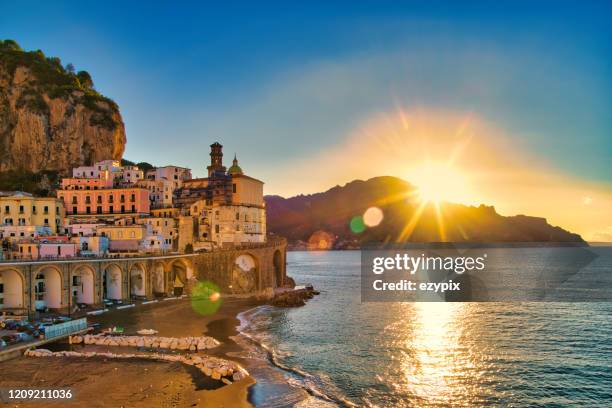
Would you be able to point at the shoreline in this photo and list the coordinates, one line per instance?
(138, 382)
(264, 386)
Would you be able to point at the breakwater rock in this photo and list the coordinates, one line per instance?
(155, 342)
(294, 298)
(214, 367)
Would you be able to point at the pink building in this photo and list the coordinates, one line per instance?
(116, 201)
(49, 247)
(79, 183)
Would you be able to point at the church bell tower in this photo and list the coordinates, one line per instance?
(216, 159)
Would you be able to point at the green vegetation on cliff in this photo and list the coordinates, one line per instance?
(38, 183)
(56, 81)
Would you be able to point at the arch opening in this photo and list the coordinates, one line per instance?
(83, 285)
(111, 283)
(278, 268)
(179, 274)
(244, 274)
(137, 281)
(11, 290)
(48, 289)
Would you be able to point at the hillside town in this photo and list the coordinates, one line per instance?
(108, 209)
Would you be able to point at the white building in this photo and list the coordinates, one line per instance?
(161, 192)
(112, 166)
(109, 169)
(174, 174)
(164, 229)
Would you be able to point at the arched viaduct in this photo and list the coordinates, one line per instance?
(60, 284)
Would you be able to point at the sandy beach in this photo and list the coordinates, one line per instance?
(98, 382)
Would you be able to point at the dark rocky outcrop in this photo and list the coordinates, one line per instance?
(294, 298)
(326, 217)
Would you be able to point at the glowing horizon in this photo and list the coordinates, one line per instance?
(461, 158)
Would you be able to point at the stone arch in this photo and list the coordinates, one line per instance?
(13, 293)
(159, 277)
(181, 272)
(112, 282)
(48, 284)
(138, 280)
(245, 274)
(82, 285)
(277, 262)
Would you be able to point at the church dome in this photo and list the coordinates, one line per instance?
(235, 169)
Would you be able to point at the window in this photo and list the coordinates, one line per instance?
(74, 200)
(57, 210)
(234, 188)
(21, 209)
(122, 209)
(110, 198)
(7, 209)
(110, 209)
(99, 210)
(122, 199)
(133, 198)
(33, 209)
(217, 228)
(88, 210)
(99, 199)
(88, 200)
(59, 250)
(133, 208)
(46, 209)
(74, 210)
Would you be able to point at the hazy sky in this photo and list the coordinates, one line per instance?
(287, 86)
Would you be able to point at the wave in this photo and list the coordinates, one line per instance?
(298, 378)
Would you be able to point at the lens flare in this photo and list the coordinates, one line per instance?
(357, 225)
(205, 298)
(373, 216)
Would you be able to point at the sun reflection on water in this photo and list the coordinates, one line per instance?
(435, 361)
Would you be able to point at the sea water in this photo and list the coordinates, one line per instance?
(348, 353)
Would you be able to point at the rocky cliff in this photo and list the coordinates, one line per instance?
(51, 118)
(327, 216)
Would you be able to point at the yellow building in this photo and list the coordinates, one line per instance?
(23, 209)
(123, 238)
(171, 212)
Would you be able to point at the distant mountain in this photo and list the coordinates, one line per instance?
(328, 216)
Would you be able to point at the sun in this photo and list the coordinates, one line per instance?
(438, 182)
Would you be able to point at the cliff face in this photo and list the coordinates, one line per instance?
(51, 118)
